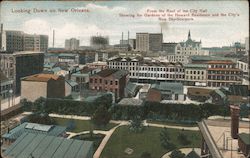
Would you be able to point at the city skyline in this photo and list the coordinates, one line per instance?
(212, 32)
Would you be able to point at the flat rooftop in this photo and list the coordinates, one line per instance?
(214, 131)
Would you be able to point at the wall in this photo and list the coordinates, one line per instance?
(33, 90)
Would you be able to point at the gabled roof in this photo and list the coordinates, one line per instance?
(115, 72)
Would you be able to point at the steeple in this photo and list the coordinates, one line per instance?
(189, 35)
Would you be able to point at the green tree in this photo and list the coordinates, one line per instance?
(101, 116)
(136, 124)
(177, 154)
(145, 155)
(165, 140)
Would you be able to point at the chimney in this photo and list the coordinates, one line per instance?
(235, 111)
(53, 38)
(1, 28)
(122, 38)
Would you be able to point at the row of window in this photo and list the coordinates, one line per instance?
(195, 77)
(195, 72)
(232, 78)
(157, 75)
(224, 72)
(107, 82)
(150, 69)
(221, 66)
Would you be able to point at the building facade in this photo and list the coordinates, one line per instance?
(110, 80)
(223, 73)
(20, 41)
(155, 42)
(196, 74)
(72, 44)
(142, 42)
(42, 85)
(21, 64)
(148, 70)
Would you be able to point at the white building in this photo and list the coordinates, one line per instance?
(147, 69)
(244, 66)
(190, 48)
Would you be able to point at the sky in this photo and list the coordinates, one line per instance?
(104, 19)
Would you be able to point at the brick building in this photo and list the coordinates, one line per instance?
(111, 80)
(42, 85)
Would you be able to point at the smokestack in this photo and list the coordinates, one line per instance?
(235, 111)
(53, 38)
(1, 28)
(128, 37)
(122, 38)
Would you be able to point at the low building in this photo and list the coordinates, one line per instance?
(42, 85)
(223, 73)
(243, 65)
(70, 87)
(42, 145)
(153, 95)
(131, 89)
(110, 80)
(170, 91)
(71, 59)
(50, 130)
(199, 94)
(196, 74)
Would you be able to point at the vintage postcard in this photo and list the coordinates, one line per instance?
(125, 79)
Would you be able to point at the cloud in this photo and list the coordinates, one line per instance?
(36, 26)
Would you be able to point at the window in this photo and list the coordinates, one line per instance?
(95, 80)
(91, 80)
(106, 81)
(111, 82)
(100, 80)
(116, 82)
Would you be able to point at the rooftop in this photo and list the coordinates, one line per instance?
(34, 128)
(245, 137)
(42, 77)
(199, 66)
(175, 88)
(213, 132)
(114, 72)
(130, 102)
(41, 145)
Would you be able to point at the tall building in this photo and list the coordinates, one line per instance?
(21, 64)
(72, 44)
(142, 42)
(155, 42)
(12, 41)
(247, 44)
(99, 42)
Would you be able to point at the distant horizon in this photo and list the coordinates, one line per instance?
(103, 18)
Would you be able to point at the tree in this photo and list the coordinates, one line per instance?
(183, 139)
(101, 116)
(136, 124)
(165, 140)
(177, 154)
(145, 155)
